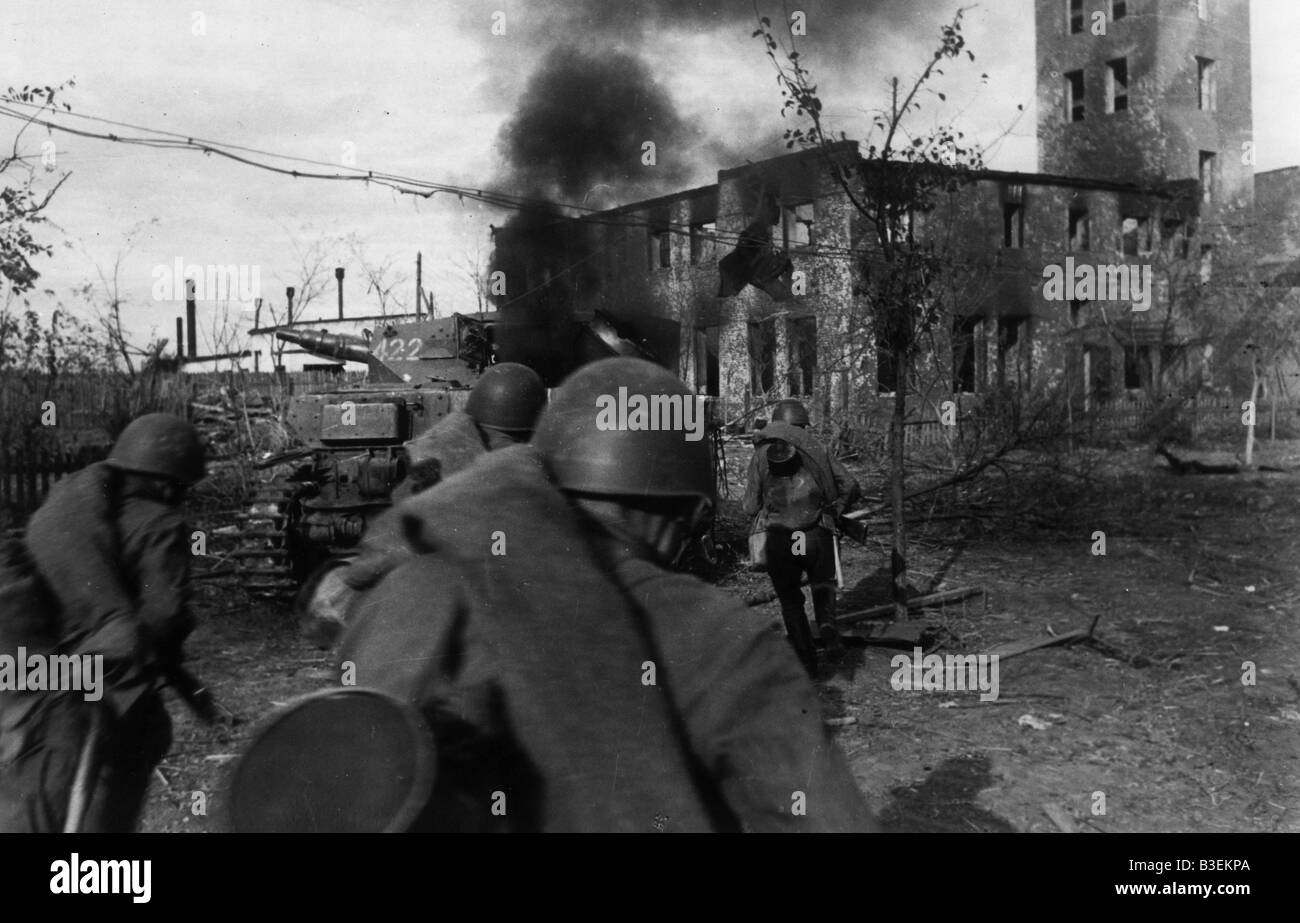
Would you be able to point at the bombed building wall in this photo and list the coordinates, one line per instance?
(785, 331)
(1162, 93)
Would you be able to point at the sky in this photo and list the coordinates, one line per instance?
(447, 91)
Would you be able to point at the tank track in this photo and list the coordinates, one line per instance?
(264, 560)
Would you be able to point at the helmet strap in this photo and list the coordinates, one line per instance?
(660, 535)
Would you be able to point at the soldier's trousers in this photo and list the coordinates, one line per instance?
(41, 742)
(787, 566)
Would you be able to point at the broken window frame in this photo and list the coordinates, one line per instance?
(702, 232)
(762, 356)
(1074, 16)
(1117, 88)
(1076, 90)
(965, 354)
(1140, 234)
(1013, 226)
(785, 233)
(1138, 367)
(1207, 90)
(801, 355)
(659, 248)
(1208, 162)
(1079, 229)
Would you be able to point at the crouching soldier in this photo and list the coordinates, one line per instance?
(112, 550)
(501, 411)
(571, 680)
(800, 490)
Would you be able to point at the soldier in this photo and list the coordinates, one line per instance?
(113, 550)
(800, 490)
(501, 411)
(571, 680)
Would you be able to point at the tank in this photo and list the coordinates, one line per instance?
(318, 498)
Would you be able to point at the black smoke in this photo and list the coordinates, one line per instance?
(579, 132)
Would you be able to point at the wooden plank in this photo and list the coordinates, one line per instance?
(1005, 651)
(916, 602)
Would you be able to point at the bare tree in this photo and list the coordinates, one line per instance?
(315, 261)
(906, 278)
(473, 267)
(107, 300)
(383, 279)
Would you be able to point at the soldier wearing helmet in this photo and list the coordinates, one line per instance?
(501, 411)
(798, 490)
(571, 680)
(112, 546)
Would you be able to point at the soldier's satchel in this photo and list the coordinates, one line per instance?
(758, 542)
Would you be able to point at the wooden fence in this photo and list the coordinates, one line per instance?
(27, 473)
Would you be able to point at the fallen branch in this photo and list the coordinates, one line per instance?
(916, 602)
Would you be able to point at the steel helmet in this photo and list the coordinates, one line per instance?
(589, 447)
(792, 412)
(508, 397)
(162, 445)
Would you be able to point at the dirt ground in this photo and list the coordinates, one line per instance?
(1149, 728)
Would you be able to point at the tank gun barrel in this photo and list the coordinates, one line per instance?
(329, 345)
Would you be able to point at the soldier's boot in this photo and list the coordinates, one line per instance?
(824, 612)
(799, 632)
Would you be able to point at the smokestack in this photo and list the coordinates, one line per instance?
(288, 296)
(180, 338)
(191, 332)
(338, 274)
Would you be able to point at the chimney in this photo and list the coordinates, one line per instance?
(191, 332)
(180, 338)
(338, 274)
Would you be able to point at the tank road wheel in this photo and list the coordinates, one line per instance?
(267, 554)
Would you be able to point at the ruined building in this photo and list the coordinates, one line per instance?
(1146, 179)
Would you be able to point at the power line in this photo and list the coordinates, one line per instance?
(169, 140)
